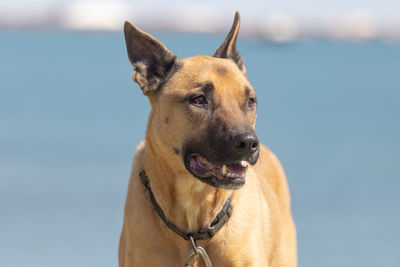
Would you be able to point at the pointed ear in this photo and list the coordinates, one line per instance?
(153, 63)
(228, 47)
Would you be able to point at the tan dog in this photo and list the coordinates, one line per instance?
(200, 152)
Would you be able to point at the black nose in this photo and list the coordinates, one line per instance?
(246, 145)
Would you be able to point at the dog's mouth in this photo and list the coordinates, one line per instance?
(229, 176)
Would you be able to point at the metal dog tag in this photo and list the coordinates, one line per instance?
(202, 252)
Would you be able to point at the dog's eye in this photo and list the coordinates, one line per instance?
(251, 102)
(199, 100)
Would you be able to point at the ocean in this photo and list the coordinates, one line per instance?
(71, 118)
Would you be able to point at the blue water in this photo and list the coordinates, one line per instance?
(70, 119)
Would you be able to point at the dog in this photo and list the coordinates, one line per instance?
(203, 191)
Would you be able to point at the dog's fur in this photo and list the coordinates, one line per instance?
(261, 231)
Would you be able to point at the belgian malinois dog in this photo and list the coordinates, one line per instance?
(203, 191)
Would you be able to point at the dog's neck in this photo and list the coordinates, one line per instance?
(186, 201)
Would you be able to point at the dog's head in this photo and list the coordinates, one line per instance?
(203, 108)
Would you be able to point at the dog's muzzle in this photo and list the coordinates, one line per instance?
(223, 163)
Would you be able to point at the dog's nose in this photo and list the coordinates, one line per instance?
(246, 144)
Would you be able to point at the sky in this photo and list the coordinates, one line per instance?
(381, 8)
(277, 20)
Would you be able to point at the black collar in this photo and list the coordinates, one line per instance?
(204, 233)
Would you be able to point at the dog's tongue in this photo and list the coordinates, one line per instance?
(203, 167)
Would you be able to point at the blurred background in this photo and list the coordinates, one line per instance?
(327, 76)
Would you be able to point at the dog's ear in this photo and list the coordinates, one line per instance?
(153, 63)
(228, 47)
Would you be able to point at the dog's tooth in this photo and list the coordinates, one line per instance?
(242, 163)
(223, 169)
